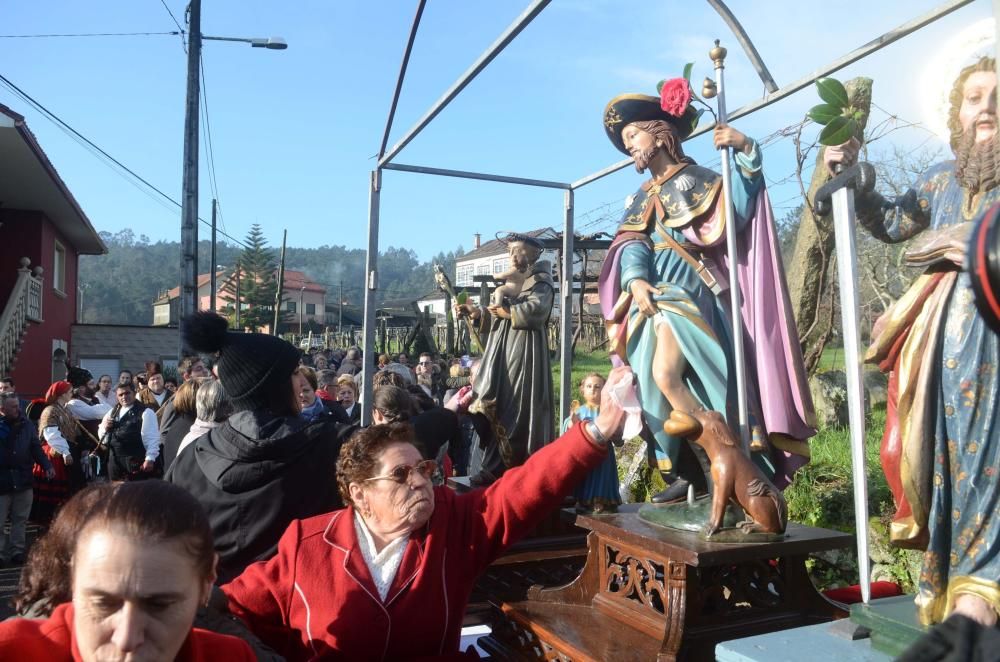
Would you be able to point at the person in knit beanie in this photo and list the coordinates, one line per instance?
(265, 466)
(254, 368)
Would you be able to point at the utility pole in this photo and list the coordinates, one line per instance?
(340, 322)
(281, 288)
(211, 277)
(189, 184)
(302, 293)
(239, 277)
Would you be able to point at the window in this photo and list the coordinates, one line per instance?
(290, 306)
(501, 265)
(310, 309)
(463, 275)
(483, 270)
(59, 268)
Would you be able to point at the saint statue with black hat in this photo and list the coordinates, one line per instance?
(513, 386)
(662, 291)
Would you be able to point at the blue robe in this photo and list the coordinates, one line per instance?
(696, 316)
(942, 443)
(600, 488)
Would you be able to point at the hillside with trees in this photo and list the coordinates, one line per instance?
(120, 287)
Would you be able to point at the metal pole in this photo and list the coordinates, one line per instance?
(718, 55)
(239, 277)
(876, 44)
(744, 39)
(281, 289)
(211, 277)
(566, 312)
(494, 49)
(371, 287)
(402, 75)
(465, 174)
(189, 184)
(340, 310)
(302, 293)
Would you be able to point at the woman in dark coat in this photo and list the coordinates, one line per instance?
(184, 415)
(265, 466)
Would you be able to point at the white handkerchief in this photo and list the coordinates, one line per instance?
(625, 397)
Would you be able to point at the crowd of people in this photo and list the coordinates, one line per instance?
(253, 475)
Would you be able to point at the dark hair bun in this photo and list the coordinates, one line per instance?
(205, 331)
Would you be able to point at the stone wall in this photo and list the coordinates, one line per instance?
(130, 345)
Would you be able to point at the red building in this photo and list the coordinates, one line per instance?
(43, 231)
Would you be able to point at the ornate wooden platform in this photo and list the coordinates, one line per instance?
(648, 593)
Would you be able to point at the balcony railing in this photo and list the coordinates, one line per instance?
(23, 305)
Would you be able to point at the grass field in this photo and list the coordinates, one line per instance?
(583, 363)
(832, 359)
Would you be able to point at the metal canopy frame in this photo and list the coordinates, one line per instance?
(385, 158)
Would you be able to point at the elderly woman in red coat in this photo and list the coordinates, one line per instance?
(388, 578)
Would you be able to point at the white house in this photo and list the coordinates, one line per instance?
(491, 258)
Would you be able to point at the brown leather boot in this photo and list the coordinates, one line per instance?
(682, 424)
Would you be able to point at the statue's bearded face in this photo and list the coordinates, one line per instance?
(978, 112)
(641, 145)
(976, 145)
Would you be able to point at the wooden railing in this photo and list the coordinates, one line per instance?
(24, 305)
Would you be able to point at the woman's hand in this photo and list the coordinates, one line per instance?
(727, 136)
(844, 154)
(467, 310)
(642, 294)
(460, 402)
(612, 417)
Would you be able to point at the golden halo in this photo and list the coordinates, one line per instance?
(958, 52)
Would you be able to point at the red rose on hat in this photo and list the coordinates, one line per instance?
(675, 95)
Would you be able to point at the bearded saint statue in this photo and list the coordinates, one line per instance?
(941, 447)
(664, 305)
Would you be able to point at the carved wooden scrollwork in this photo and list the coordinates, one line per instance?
(635, 578)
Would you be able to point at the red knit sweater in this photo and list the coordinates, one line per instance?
(316, 597)
(52, 640)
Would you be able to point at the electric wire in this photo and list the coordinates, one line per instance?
(102, 155)
(172, 17)
(177, 23)
(209, 148)
(90, 34)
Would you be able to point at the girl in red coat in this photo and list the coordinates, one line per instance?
(388, 578)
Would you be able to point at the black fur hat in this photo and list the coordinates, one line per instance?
(77, 376)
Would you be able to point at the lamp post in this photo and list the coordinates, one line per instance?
(189, 185)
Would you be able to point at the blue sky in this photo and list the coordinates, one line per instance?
(295, 132)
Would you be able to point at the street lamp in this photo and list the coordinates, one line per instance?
(274, 43)
(189, 185)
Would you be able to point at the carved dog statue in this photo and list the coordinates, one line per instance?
(734, 475)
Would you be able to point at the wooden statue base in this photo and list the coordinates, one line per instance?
(649, 593)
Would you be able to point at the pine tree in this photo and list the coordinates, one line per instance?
(258, 284)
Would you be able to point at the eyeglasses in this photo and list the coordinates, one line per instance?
(401, 473)
(425, 363)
